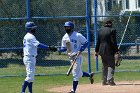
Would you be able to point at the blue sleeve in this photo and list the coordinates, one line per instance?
(42, 46)
(83, 47)
(62, 49)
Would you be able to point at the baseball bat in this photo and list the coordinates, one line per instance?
(59, 47)
(73, 62)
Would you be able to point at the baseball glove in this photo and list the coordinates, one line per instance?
(118, 59)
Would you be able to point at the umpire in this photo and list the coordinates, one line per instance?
(106, 47)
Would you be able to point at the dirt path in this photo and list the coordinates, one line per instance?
(121, 87)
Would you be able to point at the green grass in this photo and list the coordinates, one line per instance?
(43, 83)
(128, 65)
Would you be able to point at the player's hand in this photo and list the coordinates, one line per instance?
(53, 48)
(73, 55)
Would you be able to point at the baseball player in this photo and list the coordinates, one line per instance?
(30, 45)
(78, 43)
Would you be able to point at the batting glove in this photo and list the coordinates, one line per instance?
(53, 48)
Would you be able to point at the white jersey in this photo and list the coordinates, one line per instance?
(76, 40)
(30, 45)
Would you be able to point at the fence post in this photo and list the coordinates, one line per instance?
(88, 36)
(95, 30)
(28, 10)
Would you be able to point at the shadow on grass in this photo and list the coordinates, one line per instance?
(44, 63)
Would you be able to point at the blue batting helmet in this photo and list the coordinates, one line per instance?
(69, 23)
(29, 26)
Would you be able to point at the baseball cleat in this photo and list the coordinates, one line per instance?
(71, 92)
(104, 83)
(111, 83)
(91, 78)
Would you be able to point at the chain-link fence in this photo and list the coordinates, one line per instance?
(125, 18)
(49, 16)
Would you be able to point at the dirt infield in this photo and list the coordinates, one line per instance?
(121, 87)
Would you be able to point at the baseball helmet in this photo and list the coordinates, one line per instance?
(29, 26)
(69, 23)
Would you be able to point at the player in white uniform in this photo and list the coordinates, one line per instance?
(30, 45)
(78, 44)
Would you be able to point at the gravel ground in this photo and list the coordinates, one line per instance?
(121, 87)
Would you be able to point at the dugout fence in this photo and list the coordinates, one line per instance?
(50, 16)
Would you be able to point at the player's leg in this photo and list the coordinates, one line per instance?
(74, 87)
(31, 71)
(30, 87)
(90, 75)
(25, 83)
(84, 74)
(75, 77)
(77, 72)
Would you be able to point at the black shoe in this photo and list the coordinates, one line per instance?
(91, 78)
(111, 83)
(71, 92)
(104, 83)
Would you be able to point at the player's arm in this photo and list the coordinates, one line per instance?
(84, 42)
(63, 47)
(37, 44)
(43, 46)
(84, 46)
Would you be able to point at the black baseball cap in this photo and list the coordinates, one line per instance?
(108, 22)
